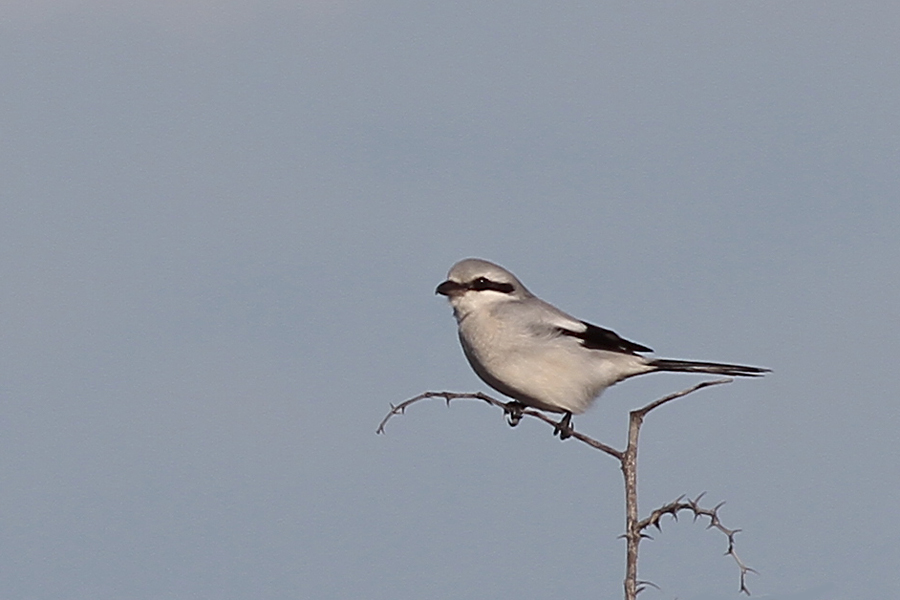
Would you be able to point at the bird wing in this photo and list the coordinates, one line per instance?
(598, 338)
(546, 319)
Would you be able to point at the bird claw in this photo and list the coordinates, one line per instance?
(564, 428)
(513, 412)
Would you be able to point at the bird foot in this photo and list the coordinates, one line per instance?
(513, 412)
(564, 428)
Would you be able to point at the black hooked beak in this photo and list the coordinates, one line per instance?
(450, 288)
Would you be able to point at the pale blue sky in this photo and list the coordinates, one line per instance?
(221, 226)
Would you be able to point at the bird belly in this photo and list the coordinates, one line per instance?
(554, 379)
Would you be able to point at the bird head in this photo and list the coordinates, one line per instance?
(476, 284)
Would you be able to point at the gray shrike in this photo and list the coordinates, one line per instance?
(540, 356)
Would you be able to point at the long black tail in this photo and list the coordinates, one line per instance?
(689, 366)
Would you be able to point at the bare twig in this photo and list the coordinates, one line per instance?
(510, 408)
(447, 396)
(633, 531)
(634, 528)
(680, 504)
(703, 384)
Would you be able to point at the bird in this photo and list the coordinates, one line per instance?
(538, 355)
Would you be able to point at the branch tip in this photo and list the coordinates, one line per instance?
(673, 508)
(650, 583)
(514, 409)
(636, 528)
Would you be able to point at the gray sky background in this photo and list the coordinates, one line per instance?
(221, 225)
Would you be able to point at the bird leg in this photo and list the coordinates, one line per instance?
(513, 410)
(564, 428)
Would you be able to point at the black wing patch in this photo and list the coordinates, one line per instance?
(597, 338)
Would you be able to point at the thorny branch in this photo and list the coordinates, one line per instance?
(680, 504)
(633, 533)
(512, 409)
(635, 529)
(675, 396)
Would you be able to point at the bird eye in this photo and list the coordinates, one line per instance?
(481, 284)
